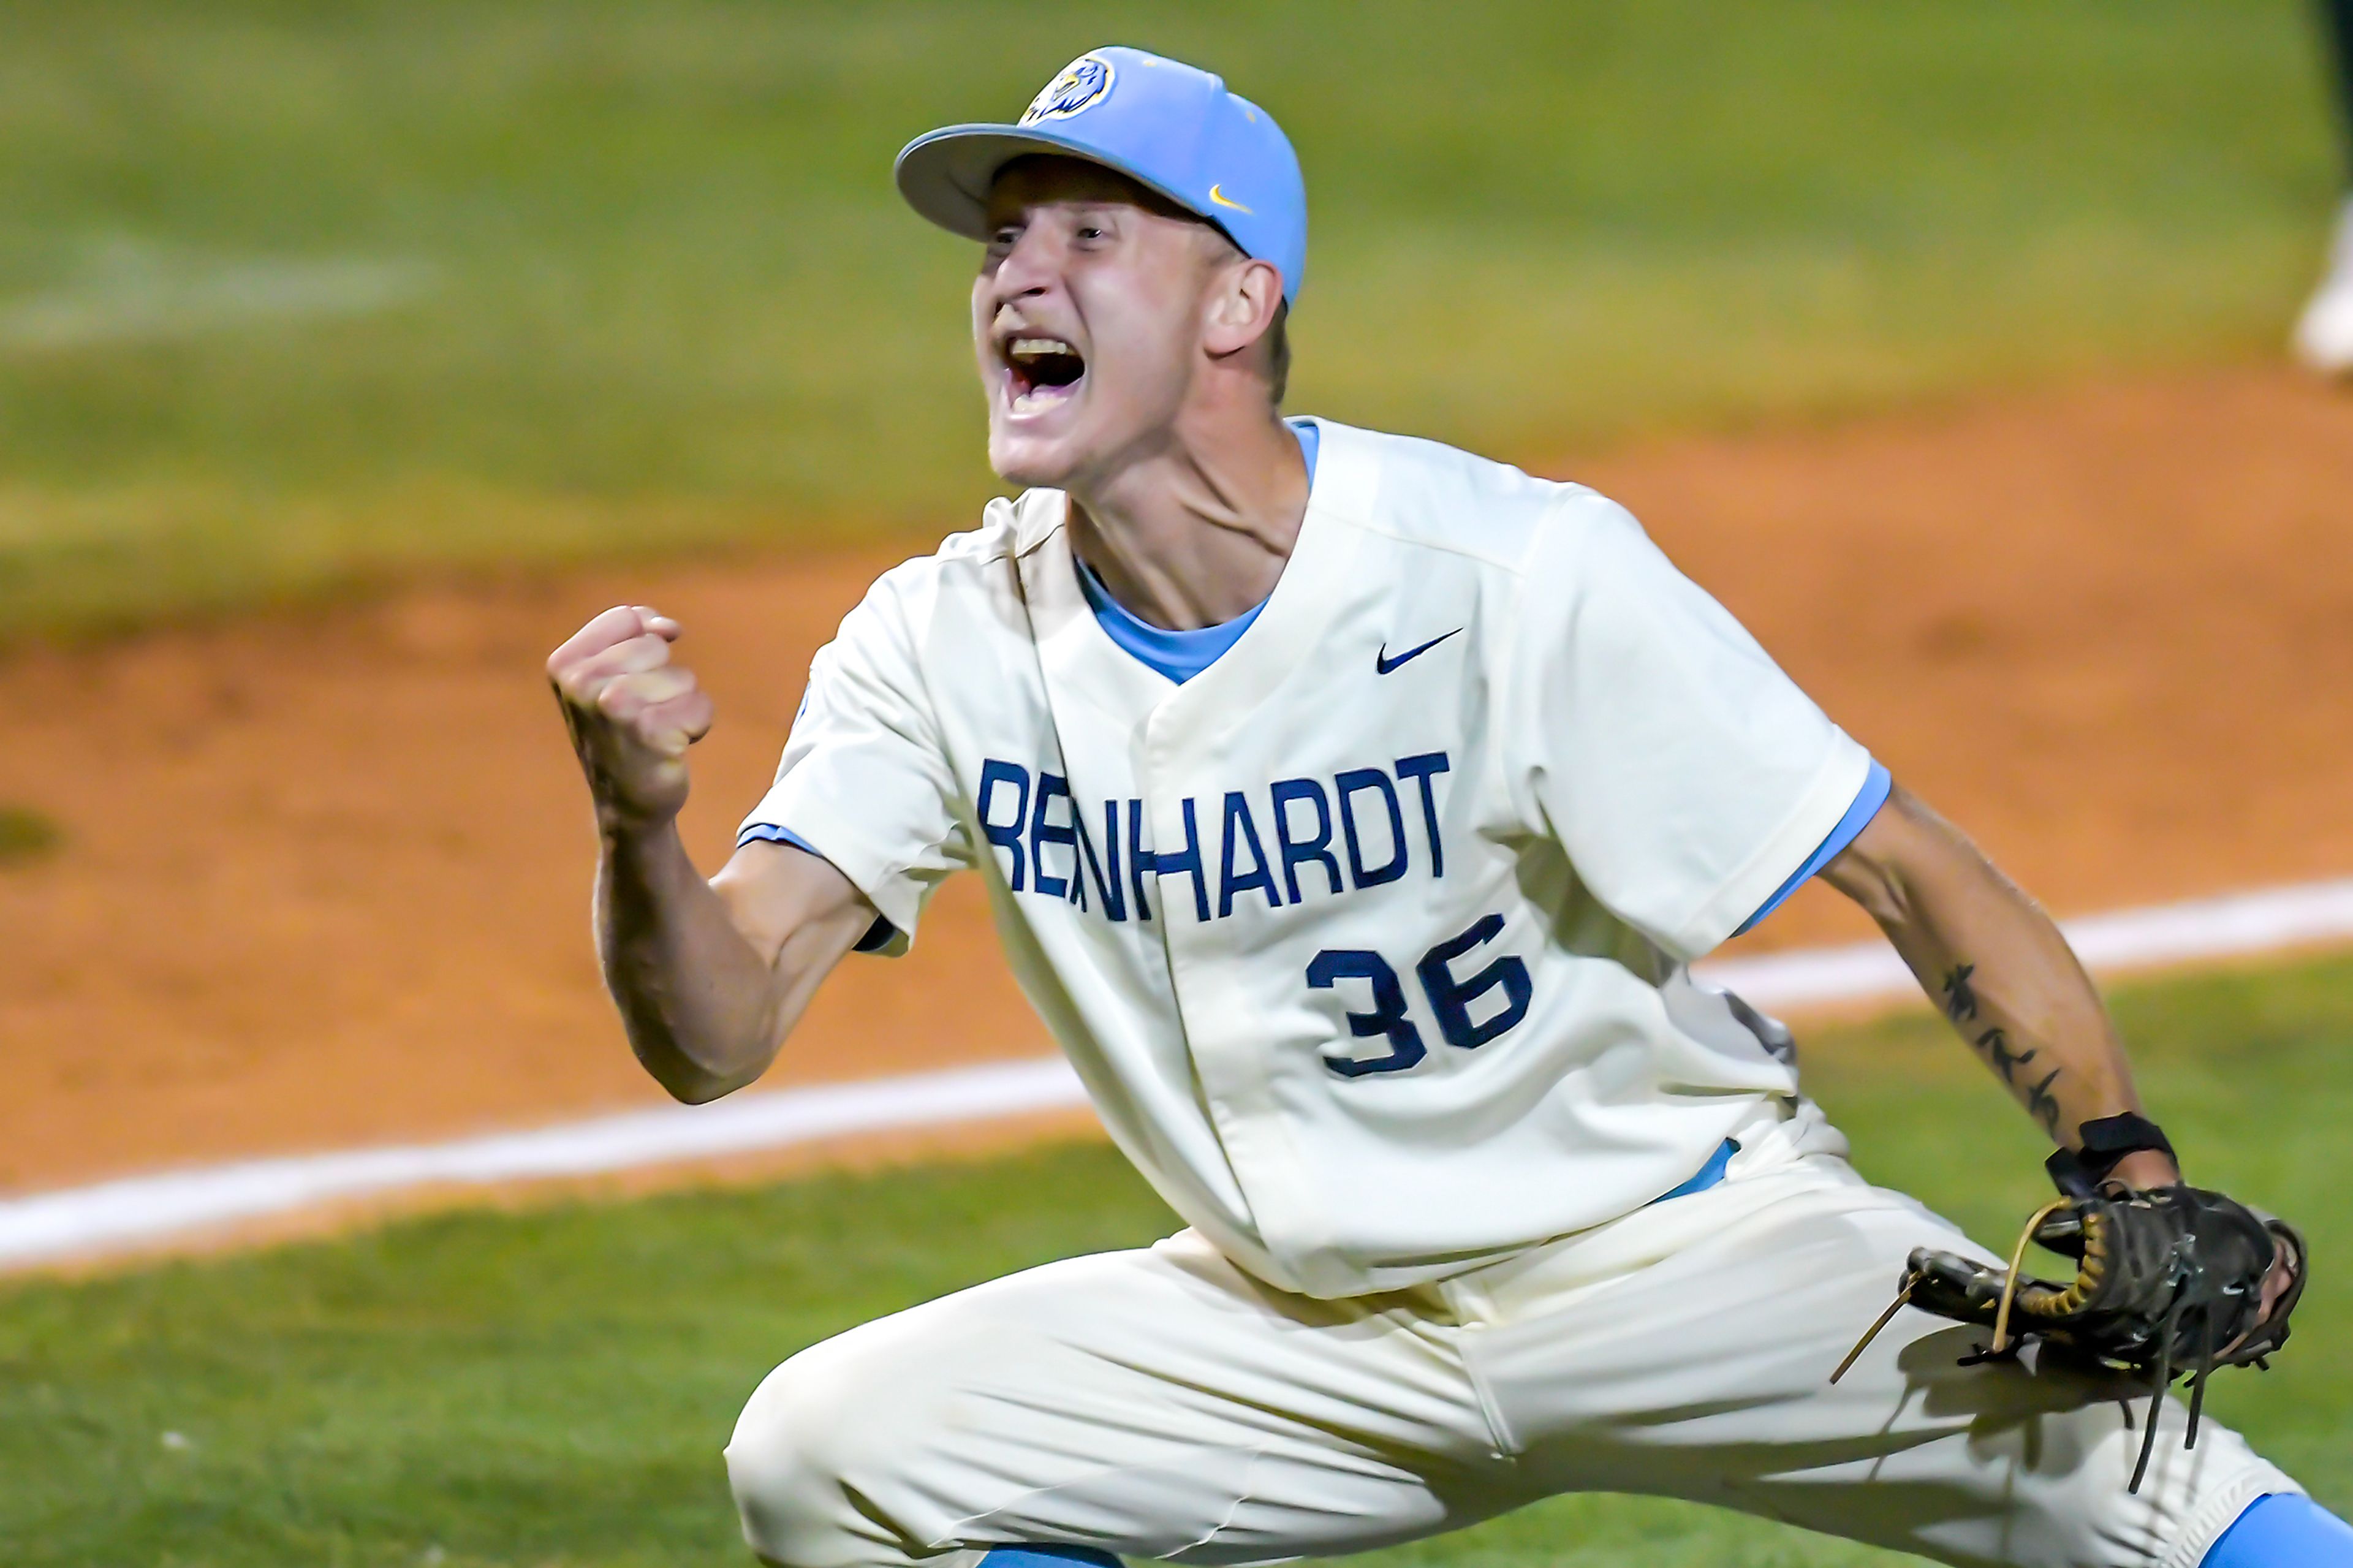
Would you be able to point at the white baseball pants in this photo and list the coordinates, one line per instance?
(1162, 1404)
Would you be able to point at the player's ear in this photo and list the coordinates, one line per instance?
(1243, 300)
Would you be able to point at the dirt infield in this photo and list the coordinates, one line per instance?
(324, 874)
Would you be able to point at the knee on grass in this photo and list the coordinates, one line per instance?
(813, 1455)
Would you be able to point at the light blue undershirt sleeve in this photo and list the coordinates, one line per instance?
(2282, 1530)
(1181, 656)
(878, 935)
(1867, 801)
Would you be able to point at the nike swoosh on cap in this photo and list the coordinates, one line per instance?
(1383, 663)
(1218, 196)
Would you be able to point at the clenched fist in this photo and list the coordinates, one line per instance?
(632, 712)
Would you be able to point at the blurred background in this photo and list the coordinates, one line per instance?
(300, 294)
(352, 355)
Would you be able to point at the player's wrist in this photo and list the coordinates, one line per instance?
(631, 826)
(638, 796)
(2127, 1148)
(2147, 1170)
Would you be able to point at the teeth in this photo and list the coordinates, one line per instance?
(1032, 348)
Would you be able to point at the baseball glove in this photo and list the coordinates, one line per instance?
(2166, 1282)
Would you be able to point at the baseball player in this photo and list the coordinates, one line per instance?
(2324, 332)
(1352, 808)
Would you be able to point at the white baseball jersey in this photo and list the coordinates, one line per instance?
(1368, 940)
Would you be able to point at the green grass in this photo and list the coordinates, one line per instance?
(296, 292)
(554, 1387)
(26, 835)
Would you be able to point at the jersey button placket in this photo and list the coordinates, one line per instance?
(1231, 1059)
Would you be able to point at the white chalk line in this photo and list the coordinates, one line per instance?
(2263, 920)
(136, 1212)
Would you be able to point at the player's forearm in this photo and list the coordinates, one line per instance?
(701, 1006)
(1994, 962)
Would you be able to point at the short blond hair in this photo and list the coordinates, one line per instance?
(1278, 355)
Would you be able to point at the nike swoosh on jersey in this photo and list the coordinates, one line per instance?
(1383, 663)
(1219, 198)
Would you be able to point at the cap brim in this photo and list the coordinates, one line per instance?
(945, 174)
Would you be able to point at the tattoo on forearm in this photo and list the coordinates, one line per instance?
(2040, 1104)
(1961, 1005)
(1960, 997)
(1994, 1044)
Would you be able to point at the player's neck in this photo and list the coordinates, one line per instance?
(1194, 531)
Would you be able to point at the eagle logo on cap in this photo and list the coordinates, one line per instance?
(1082, 85)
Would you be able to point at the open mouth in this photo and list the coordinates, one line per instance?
(1041, 371)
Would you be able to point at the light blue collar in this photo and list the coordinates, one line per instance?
(1181, 656)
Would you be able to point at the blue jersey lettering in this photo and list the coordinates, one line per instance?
(1052, 851)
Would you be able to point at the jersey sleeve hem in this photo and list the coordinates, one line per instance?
(878, 935)
(896, 898)
(1820, 809)
(1876, 787)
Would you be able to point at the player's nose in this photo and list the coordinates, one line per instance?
(1030, 267)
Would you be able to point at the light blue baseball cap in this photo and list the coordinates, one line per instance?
(1166, 124)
